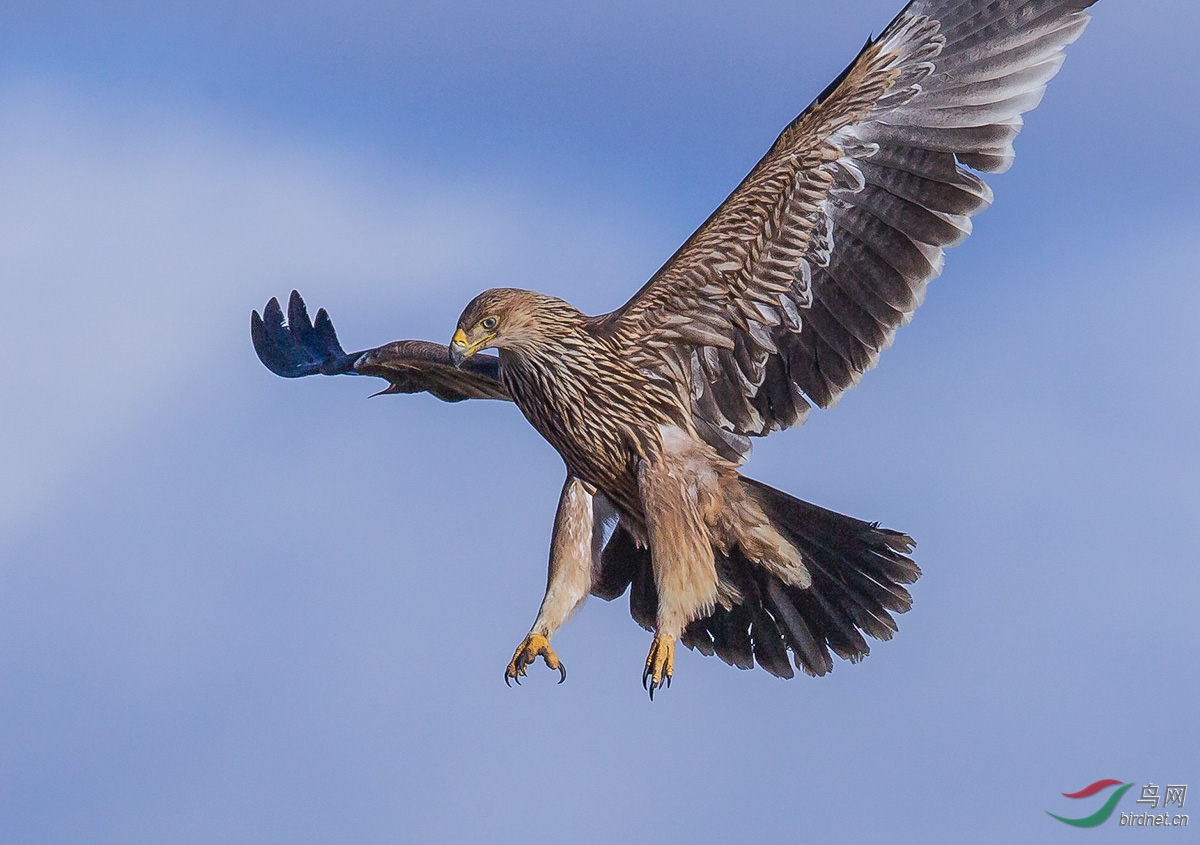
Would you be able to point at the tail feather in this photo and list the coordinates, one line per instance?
(731, 636)
(770, 650)
(810, 653)
(858, 575)
(857, 562)
(697, 637)
(858, 570)
(838, 629)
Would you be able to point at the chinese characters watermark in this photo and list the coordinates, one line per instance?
(1168, 795)
(1172, 793)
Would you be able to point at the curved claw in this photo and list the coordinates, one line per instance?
(660, 664)
(531, 648)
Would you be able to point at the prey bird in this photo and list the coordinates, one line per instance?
(781, 300)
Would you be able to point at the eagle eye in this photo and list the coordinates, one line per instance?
(489, 323)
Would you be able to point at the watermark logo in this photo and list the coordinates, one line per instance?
(1170, 794)
(1100, 816)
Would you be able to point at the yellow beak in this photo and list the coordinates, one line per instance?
(461, 348)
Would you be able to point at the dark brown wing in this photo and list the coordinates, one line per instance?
(789, 292)
(301, 347)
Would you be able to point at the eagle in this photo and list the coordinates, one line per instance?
(781, 300)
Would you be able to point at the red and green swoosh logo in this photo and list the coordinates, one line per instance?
(1101, 815)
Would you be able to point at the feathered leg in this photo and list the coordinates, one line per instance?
(574, 555)
(685, 573)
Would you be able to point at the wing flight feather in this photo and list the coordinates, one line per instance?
(788, 293)
(303, 347)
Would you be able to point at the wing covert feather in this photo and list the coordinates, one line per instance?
(787, 294)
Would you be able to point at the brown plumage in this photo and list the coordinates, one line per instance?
(782, 299)
(579, 390)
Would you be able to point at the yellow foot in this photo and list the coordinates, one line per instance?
(530, 649)
(660, 664)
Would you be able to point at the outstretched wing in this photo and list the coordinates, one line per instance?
(303, 347)
(790, 290)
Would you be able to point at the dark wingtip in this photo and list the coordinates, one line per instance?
(302, 328)
(296, 348)
(297, 311)
(258, 336)
(265, 332)
(326, 338)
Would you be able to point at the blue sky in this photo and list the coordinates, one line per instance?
(236, 608)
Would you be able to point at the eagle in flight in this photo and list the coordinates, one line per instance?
(781, 300)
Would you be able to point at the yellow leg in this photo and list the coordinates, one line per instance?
(660, 664)
(530, 649)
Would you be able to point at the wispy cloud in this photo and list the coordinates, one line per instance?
(137, 241)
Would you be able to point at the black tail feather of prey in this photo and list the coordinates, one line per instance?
(858, 575)
(299, 347)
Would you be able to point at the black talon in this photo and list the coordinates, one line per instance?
(506, 679)
(645, 675)
(562, 671)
